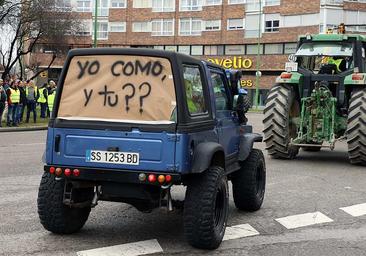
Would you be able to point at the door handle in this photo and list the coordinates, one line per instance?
(57, 143)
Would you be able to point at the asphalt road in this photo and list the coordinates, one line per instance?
(314, 182)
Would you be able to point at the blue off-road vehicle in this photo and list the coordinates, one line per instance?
(128, 124)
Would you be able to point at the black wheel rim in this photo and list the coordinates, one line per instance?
(220, 202)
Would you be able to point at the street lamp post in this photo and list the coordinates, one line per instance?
(257, 74)
(96, 24)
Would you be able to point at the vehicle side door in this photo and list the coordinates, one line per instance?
(227, 121)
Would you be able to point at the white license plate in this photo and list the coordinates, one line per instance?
(97, 156)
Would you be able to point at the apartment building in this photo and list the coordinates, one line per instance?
(222, 31)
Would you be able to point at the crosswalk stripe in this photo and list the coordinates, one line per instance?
(302, 220)
(239, 231)
(355, 210)
(130, 249)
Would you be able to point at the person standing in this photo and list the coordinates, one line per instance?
(32, 95)
(13, 101)
(50, 88)
(2, 101)
(50, 100)
(22, 102)
(6, 87)
(42, 100)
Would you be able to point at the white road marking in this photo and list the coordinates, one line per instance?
(130, 249)
(239, 231)
(303, 220)
(355, 210)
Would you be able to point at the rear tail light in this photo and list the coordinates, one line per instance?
(357, 77)
(168, 178)
(142, 177)
(286, 75)
(58, 171)
(52, 170)
(76, 172)
(67, 172)
(161, 179)
(152, 178)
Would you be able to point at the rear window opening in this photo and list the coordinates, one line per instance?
(119, 88)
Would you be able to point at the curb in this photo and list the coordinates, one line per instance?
(25, 129)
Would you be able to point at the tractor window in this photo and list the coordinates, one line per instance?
(325, 49)
(194, 89)
(221, 98)
(326, 58)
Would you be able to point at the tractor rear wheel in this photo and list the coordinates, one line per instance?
(356, 127)
(281, 107)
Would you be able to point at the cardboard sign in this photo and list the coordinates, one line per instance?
(138, 89)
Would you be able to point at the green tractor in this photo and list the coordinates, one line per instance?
(320, 99)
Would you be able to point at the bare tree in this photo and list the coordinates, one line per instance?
(31, 22)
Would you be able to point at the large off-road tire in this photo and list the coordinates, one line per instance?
(55, 216)
(356, 127)
(249, 182)
(281, 107)
(206, 209)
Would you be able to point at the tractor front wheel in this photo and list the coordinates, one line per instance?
(279, 128)
(356, 127)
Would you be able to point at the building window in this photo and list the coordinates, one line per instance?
(143, 26)
(171, 48)
(290, 48)
(190, 5)
(103, 8)
(162, 27)
(197, 50)
(102, 30)
(253, 49)
(234, 49)
(141, 4)
(236, 1)
(214, 50)
(273, 49)
(117, 26)
(83, 6)
(252, 5)
(235, 24)
(213, 2)
(186, 49)
(158, 47)
(163, 5)
(85, 28)
(62, 5)
(272, 26)
(118, 4)
(190, 27)
(212, 25)
(272, 2)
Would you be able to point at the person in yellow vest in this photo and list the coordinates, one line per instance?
(51, 100)
(13, 94)
(31, 92)
(42, 100)
(50, 87)
(332, 65)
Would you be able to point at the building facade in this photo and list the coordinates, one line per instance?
(225, 32)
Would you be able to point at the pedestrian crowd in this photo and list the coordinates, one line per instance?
(18, 97)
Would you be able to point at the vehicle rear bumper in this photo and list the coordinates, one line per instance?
(112, 175)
